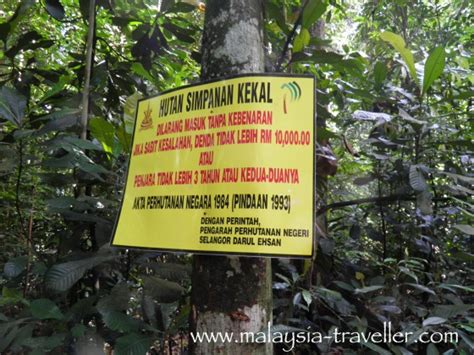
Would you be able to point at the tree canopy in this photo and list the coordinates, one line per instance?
(394, 165)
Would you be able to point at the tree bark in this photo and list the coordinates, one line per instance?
(231, 294)
(318, 31)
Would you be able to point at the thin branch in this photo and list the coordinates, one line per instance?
(290, 37)
(88, 69)
(378, 200)
(17, 189)
(29, 244)
(114, 50)
(382, 214)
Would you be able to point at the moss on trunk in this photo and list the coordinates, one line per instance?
(231, 294)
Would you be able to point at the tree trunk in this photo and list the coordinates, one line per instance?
(231, 294)
(88, 70)
(323, 171)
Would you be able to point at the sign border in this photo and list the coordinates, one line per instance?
(206, 252)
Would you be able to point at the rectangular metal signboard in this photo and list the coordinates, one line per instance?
(223, 167)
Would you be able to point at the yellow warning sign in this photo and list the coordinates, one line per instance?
(223, 167)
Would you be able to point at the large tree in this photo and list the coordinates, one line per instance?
(231, 294)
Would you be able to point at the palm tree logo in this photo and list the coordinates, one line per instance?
(295, 93)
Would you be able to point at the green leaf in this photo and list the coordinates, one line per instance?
(463, 256)
(466, 179)
(130, 111)
(133, 344)
(81, 309)
(12, 105)
(149, 310)
(434, 67)
(322, 133)
(424, 200)
(398, 43)
(413, 338)
(363, 180)
(124, 138)
(432, 350)
(11, 296)
(413, 121)
(421, 288)
(104, 132)
(45, 309)
(327, 293)
(46, 343)
(10, 25)
(8, 160)
(307, 297)
(83, 217)
(353, 66)
(389, 309)
(179, 6)
(467, 339)
(448, 311)
(138, 69)
(23, 334)
(56, 179)
(78, 330)
(318, 57)
(298, 44)
(71, 143)
(467, 327)
(380, 73)
(28, 40)
(301, 40)
(408, 272)
(368, 289)
(60, 120)
(461, 287)
(83, 162)
(417, 180)
(313, 11)
(371, 116)
(23, 133)
(376, 348)
(8, 337)
(15, 266)
(55, 9)
(64, 202)
(116, 301)
(162, 290)
(62, 276)
(433, 321)
(119, 321)
(56, 88)
(276, 13)
(170, 271)
(466, 229)
(305, 36)
(344, 285)
(180, 33)
(76, 158)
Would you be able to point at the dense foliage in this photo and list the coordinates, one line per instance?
(395, 172)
